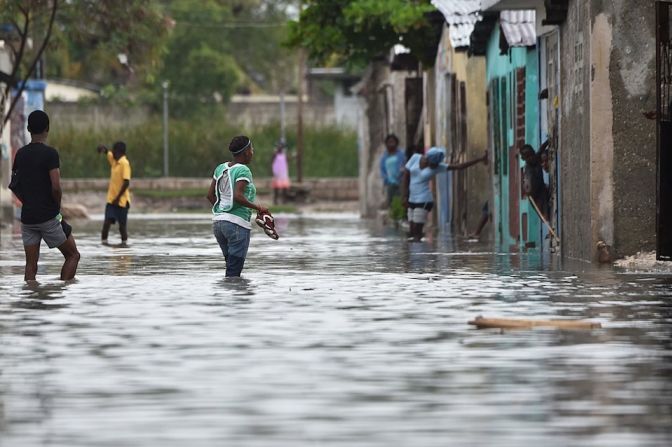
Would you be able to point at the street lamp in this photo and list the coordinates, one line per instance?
(165, 85)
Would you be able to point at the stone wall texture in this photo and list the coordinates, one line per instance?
(608, 149)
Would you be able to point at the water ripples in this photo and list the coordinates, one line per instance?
(340, 333)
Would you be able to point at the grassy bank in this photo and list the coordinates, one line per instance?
(197, 145)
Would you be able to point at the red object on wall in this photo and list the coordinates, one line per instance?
(514, 195)
(515, 186)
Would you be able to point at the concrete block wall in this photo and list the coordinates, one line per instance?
(608, 150)
(330, 189)
(245, 114)
(479, 184)
(575, 132)
(632, 83)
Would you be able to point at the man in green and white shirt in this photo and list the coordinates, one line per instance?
(232, 194)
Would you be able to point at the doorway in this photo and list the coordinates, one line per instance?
(664, 130)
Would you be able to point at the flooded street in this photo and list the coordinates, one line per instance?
(340, 334)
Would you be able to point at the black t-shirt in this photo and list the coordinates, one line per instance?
(33, 163)
(534, 184)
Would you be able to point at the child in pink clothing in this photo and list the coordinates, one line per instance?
(279, 165)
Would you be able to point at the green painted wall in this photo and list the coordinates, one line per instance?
(501, 80)
(534, 227)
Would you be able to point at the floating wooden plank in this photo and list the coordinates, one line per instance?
(515, 323)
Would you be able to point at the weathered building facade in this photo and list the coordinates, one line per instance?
(513, 89)
(578, 74)
(607, 148)
(391, 102)
(458, 125)
(597, 64)
(443, 105)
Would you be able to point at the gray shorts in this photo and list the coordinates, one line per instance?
(417, 215)
(51, 231)
(418, 212)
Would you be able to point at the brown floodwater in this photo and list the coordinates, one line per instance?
(340, 334)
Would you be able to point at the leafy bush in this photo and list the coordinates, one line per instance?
(397, 210)
(199, 144)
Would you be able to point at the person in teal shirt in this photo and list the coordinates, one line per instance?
(232, 194)
(392, 167)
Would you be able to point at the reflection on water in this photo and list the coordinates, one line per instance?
(36, 295)
(234, 287)
(340, 333)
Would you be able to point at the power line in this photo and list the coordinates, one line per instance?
(229, 25)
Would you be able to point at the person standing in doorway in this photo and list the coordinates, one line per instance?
(118, 192)
(533, 179)
(280, 169)
(418, 197)
(391, 168)
(36, 182)
(232, 194)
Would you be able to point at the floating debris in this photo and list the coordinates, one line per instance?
(515, 323)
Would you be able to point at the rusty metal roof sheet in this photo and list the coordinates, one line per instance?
(461, 16)
(519, 27)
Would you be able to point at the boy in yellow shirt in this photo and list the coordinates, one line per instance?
(118, 193)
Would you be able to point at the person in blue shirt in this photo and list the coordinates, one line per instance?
(392, 167)
(418, 198)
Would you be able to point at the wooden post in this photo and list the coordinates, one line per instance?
(164, 85)
(299, 120)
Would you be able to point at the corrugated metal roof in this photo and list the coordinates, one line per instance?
(461, 16)
(519, 27)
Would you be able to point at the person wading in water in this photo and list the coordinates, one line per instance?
(118, 193)
(232, 194)
(36, 182)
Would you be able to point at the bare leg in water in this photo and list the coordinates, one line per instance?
(416, 231)
(106, 230)
(481, 225)
(71, 254)
(32, 256)
(123, 231)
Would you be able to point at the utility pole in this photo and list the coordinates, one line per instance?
(282, 115)
(299, 130)
(164, 84)
(299, 122)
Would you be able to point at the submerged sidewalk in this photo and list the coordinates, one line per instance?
(644, 262)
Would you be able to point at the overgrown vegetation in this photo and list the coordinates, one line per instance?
(206, 50)
(197, 145)
(397, 210)
(77, 39)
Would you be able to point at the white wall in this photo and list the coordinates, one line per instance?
(5, 152)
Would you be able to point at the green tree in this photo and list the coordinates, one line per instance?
(22, 22)
(198, 64)
(80, 32)
(108, 41)
(257, 45)
(358, 31)
(219, 47)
